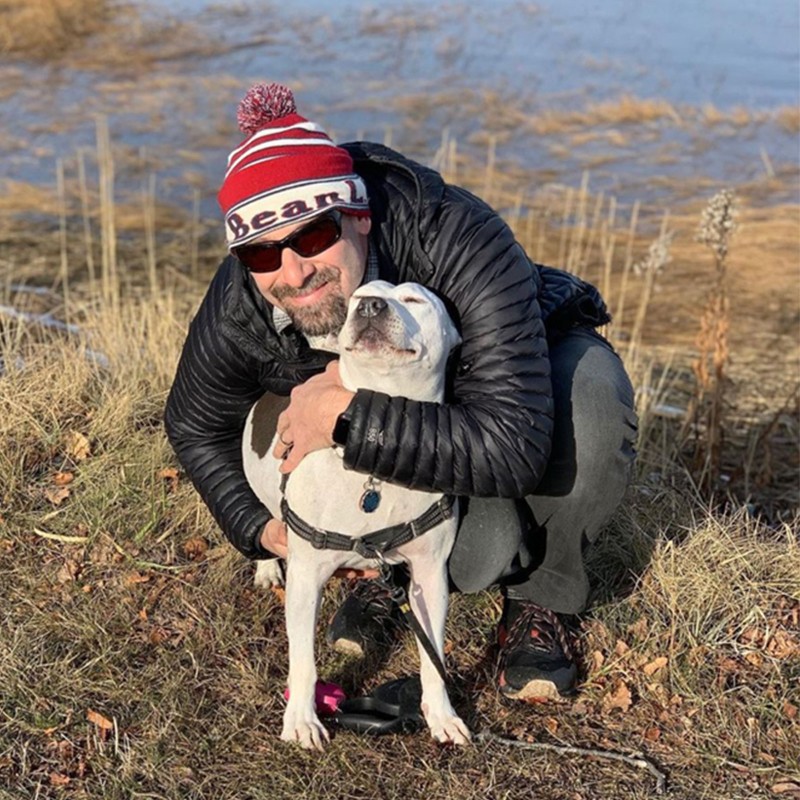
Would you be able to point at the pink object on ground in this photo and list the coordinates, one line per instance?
(327, 697)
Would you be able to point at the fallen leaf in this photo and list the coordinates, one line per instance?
(143, 615)
(751, 636)
(279, 592)
(598, 659)
(69, 571)
(551, 723)
(195, 548)
(621, 648)
(159, 635)
(170, 476)
(620, 698)
(654, 666)
(790, 710)
(754, 658)
(783, 645)
(77, 446)
(134, 578)
(652, 734)
(57, 495)
(57, 779)
(63, 478)
(792, 788)
(639, 628)
(99, 720)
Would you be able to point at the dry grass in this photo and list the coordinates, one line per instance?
(46, 28)
(788, 117)
(121, 600)
(626, 110)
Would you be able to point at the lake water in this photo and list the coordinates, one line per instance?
(404, 72)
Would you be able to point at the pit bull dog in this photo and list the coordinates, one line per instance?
(396, 340)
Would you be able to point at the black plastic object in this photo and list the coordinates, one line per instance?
(392, 707)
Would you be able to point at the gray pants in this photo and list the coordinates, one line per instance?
(534, 547)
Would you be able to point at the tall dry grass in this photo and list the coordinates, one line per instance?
(44, 28)
(137, 660)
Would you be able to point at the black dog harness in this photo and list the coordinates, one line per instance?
(375, 544)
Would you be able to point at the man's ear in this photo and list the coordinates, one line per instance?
(363, 225)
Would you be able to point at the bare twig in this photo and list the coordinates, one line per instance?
(636, 760)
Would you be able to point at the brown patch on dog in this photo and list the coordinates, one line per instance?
(265, 422)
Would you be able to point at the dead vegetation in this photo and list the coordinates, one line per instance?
(46, 28)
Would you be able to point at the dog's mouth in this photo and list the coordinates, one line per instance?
(372, 339)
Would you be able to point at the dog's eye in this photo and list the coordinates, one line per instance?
(413, 300)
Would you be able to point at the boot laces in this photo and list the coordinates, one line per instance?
(371, 594)
(540, 629)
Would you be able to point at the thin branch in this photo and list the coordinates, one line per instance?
(636, 760)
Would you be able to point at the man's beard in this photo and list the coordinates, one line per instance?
(326, 316)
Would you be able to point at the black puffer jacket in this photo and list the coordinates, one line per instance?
(492, 438)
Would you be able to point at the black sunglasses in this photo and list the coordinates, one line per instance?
(308, 241)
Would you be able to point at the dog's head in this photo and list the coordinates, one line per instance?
(396, 339)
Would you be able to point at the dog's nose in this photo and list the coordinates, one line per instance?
(371, 306)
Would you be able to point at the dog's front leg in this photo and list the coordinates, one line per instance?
(304, 582)
(429, 600)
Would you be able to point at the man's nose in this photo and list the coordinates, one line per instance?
(371, 306)
(295, 270)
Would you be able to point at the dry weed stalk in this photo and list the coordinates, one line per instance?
(658, 256)
(717, 225)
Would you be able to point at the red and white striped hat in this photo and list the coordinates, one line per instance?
(287, 169)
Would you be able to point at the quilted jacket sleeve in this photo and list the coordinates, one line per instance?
(493, 437)
(210, 398)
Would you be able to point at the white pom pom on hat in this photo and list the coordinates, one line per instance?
(285, 171)
(264, 103)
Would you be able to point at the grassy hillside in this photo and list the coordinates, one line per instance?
(136, 659)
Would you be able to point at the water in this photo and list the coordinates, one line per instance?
(358, 68)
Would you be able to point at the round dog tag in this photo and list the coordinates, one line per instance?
(370, 500)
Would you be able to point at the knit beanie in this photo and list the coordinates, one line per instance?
(285, 171)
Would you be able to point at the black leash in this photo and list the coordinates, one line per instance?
(400, 596)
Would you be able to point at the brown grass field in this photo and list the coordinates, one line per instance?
(138, 661)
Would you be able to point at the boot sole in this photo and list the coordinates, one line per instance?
(537, 690)
(348, 648)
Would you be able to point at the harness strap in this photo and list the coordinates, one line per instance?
(375, 544)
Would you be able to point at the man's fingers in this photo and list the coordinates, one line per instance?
(291, 460)
(281, 449)
(349, 572)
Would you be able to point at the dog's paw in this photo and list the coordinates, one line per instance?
(449, 730)
(304, 729)
(269, 573)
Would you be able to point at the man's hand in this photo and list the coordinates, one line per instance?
(308, 421)
(273, 538)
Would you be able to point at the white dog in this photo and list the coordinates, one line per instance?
(396, 340)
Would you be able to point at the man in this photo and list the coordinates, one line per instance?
(536, 436)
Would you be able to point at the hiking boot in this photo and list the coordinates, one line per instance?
(536, 660)
(366, 619)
